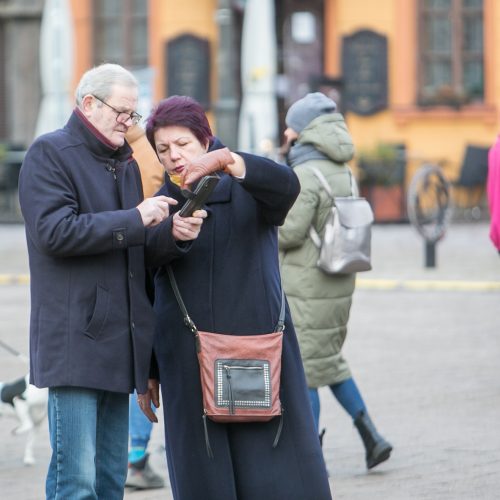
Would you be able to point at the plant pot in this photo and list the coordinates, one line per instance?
(387, 202)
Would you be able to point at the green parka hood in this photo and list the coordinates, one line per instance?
(328, 134)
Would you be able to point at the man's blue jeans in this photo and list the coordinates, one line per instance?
(88, 434)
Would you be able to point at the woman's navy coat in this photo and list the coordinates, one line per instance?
(92, 323)
(230, 283)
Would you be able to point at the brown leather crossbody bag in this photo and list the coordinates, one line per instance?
(240, 374)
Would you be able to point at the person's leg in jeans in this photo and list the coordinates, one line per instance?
(377, 448)
(112, 445)
(88, 428)
(349, 397)
(315, 405)
(139, 430)
(140, 473)
(346, 393)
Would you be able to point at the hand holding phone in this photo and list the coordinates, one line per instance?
(206, 164)
(200, 195)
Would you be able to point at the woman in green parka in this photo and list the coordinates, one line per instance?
(317, 136)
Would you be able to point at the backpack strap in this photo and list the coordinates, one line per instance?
(322, 181)
(313, 234)
(326, 186)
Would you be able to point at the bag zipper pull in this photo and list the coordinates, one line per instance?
(207, 441)
(280, 428)
(229, 389)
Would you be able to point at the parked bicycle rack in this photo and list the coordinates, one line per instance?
(428, 205)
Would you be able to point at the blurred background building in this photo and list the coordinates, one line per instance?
(418, 80)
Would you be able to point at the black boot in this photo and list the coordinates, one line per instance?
(377, 448)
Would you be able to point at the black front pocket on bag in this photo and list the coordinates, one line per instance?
(242, 383)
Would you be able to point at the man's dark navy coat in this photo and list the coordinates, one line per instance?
(91, 320)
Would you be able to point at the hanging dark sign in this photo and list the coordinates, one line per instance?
(188, 68)
(364, 68)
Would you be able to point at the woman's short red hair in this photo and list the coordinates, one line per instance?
(180, 111)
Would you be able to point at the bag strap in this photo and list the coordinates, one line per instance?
(281, 319)
(187, 320)
(190, 323)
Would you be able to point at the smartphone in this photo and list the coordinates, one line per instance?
(200, 195)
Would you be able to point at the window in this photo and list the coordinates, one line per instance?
(451, 52)
(121, 32)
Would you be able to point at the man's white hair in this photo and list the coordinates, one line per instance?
(100, 80)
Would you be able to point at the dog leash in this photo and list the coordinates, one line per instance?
(10, 349)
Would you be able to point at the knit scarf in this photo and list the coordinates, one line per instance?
(300, 153)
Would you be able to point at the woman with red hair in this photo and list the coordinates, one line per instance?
(229, 281)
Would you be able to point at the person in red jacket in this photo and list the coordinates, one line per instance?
(493, 190)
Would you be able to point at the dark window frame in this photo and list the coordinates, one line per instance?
(457, 18)
(125, 18)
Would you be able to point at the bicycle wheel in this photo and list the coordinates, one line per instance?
(428, 202)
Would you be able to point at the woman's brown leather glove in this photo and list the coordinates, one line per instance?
(206, 164)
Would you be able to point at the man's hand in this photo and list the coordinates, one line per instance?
(188, 228)
(152, 396)
(155, 210)
(206, 164)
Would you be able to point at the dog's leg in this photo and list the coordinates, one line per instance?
(29, 449)
(23, 412)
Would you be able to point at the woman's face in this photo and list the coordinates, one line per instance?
(177, 146)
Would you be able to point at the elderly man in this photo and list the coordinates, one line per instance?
(90, 237)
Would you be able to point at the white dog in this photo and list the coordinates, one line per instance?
(30, 406)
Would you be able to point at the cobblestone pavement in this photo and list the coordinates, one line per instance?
(424, 345)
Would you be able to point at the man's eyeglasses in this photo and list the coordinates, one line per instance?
(122, 116)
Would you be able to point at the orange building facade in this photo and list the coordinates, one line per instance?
(422, 76)
(430, 133)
